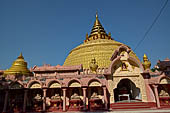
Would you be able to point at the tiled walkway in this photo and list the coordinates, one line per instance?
(129, 111)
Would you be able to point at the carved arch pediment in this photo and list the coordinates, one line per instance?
(121, 57)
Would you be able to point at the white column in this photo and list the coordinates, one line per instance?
(156, 95)
(64, 99)
(105, 97)
(44, 98)
(84, 98)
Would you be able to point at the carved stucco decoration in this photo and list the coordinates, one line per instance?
(35, 85)
(55, 85)
(95, 84)
(165, 81)
(74, 84)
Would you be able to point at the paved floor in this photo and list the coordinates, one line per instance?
(124, 111)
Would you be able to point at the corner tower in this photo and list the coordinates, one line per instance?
(98, 45)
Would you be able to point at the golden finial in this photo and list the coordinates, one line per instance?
(145, 58)
(96, 15)
(20, 56)
(146, 63)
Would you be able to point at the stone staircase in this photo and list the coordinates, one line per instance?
(132, 105)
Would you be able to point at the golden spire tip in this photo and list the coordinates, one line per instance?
(20, 56)
(144, 56)
(96, 15)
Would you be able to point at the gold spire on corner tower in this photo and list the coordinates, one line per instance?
(146, 63)
(97, 31)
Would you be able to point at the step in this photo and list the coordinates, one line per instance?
(132, 105)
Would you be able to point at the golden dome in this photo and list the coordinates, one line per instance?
(98, 45)
(19, 67)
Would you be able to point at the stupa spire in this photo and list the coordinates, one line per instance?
(97, 31)
(21, 56)
(97, 27)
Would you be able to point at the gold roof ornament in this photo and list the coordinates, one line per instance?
(19, 67)
(146, 63)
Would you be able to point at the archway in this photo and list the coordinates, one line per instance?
(127, 91)
(16, 96)
(53, 98)
(75, 95)
(164, 92)
(35, 97)
(95, 95)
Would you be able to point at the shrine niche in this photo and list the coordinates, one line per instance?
(76, 100)
(164, 94)
(95, 95)
(35, 100)
(96, 98)
(126, 91)
(54, 101)
(16, 96)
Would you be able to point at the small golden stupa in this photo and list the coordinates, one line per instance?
(19, 67)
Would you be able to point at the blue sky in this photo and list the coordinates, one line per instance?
(46, 30)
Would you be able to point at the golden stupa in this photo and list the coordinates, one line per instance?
(98, 45)
(19, 67)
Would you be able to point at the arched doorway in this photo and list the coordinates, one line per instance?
(35, 97)
(54, 93)
(164, 92)
(127, 91)
(16, 96)
(95, 95)
(75, 95)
